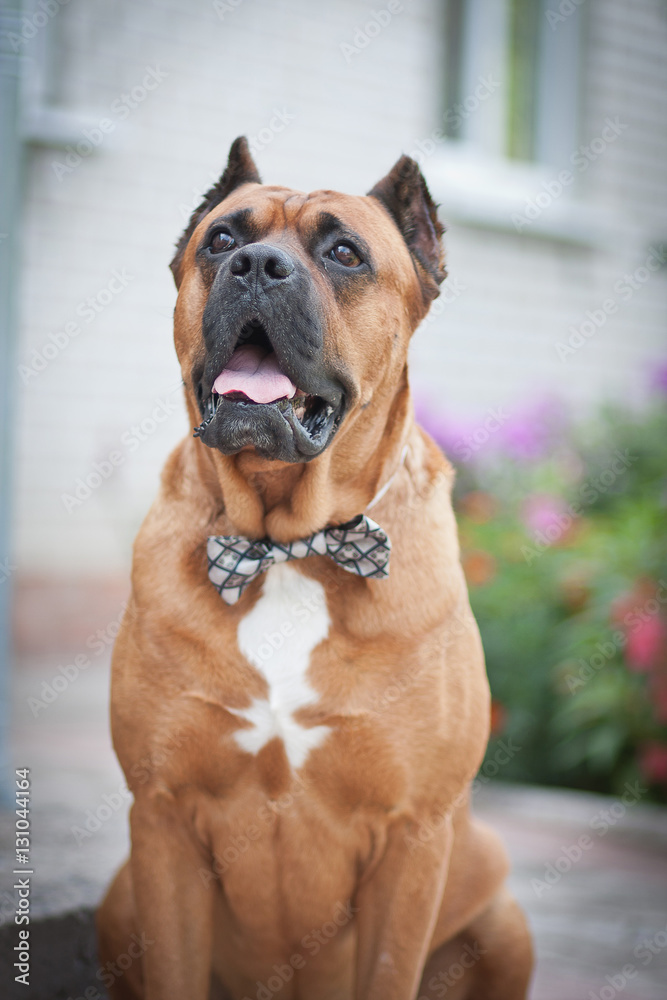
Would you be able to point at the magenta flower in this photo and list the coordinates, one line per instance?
(659, 378)
(645, 643)
(653, 763)
(546, 514)
(524, 434)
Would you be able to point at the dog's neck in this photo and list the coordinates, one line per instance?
(286, 501)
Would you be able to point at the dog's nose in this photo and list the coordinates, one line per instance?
(261, 263)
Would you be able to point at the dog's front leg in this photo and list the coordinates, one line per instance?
(397, 910)
(174, 909)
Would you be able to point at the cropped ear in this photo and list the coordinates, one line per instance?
(404, 194)
(240, 169)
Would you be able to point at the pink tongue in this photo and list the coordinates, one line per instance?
(256, 374)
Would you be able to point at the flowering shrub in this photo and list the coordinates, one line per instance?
(564, 545)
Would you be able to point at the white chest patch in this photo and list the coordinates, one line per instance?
(278, 636)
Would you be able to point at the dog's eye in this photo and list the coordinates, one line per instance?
(345, 255)
(222, 241)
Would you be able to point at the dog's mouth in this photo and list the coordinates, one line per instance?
(252, 386)
(302, 411)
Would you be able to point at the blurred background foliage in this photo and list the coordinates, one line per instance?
(562, 528)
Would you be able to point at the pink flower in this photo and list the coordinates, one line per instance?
(659, 378)
(525, 435)
(645, 644)
(653, 763)
(546, 514)
(533, 432)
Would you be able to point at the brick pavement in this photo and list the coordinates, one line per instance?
(607, 909)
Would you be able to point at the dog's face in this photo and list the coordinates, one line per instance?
(295, 310)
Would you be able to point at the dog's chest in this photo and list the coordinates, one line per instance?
(278, 636)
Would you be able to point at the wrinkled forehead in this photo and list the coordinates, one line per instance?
(261, 211)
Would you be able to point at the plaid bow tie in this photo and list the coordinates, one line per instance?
(360, 546)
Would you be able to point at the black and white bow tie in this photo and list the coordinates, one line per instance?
(360, 546)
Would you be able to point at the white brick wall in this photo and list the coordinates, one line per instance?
(496, 342)
(122, 209)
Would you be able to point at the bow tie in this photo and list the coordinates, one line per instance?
(360, 546)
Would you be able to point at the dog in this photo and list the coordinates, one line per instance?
(299, 700)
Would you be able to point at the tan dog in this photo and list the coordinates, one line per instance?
(300, 757)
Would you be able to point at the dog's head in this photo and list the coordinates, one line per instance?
(295, 310)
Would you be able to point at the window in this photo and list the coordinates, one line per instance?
(512, 77)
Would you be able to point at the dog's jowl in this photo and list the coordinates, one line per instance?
(298, 660)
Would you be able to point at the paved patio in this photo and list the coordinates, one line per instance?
(599, 919)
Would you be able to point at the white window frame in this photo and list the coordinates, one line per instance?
(473, 178)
